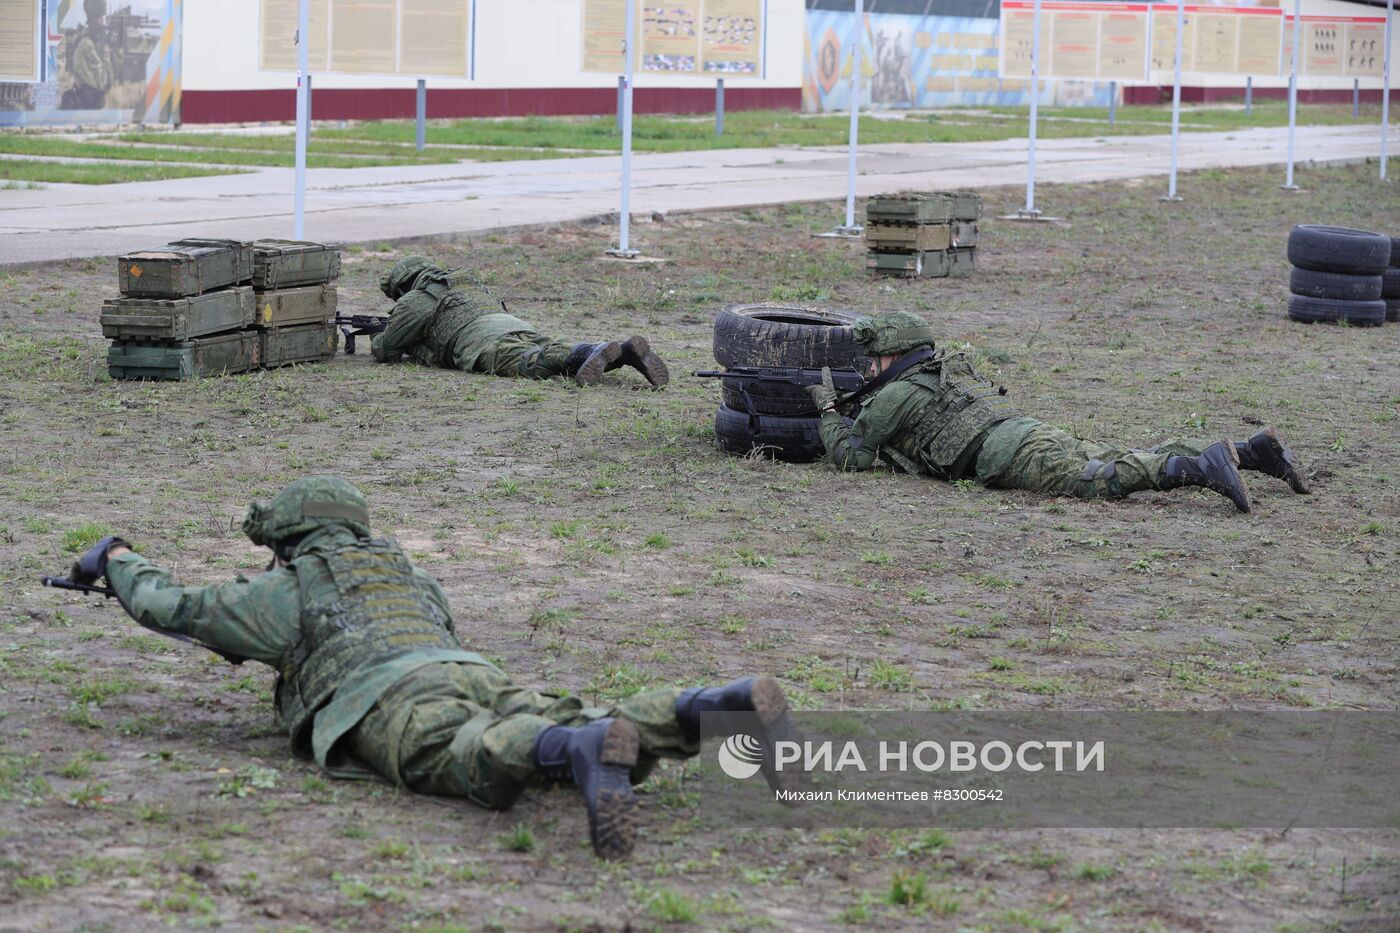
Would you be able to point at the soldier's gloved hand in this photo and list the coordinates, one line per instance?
(92, 566)
(824, 395)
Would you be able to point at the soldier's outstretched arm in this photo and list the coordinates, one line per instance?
(256, 618)
(856, 447)
(407, 322)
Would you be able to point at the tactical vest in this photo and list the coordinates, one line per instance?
(962, 406)
(455, 311)
(360, 606)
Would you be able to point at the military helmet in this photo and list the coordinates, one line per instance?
(399, 280)
(95, 9)
(892, 333)
(305, 506)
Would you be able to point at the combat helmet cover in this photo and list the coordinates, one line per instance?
(305, 506)
(399, 280)
(95, 9)
(896, 332)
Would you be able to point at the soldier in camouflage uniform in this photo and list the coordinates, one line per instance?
(443, 318)
(936, 417)
(371, 676)
(90, 62)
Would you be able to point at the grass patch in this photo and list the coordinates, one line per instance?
(98, 173)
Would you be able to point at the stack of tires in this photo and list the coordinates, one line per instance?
(1341, 275)
(1390, 283)
(778, 419)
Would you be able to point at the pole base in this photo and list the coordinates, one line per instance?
(1030, 217)
(623, 253)
(1290, 188)
(1171, 197)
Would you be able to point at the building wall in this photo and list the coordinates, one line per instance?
(527, 62)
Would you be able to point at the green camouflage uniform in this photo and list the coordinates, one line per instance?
(371, 676)
(447, 319)
(942, 419)
(92, 71)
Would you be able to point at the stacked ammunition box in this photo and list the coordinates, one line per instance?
(922, 235)
(214, 307)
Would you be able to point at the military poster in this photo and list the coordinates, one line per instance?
(1164, 39)
(1365, 49)
(1087, 41)
(1261, 52)
(434, 37)
(108, 60)
(670, 36)
(19, 40)
(697, 38)
(1217, 42)
(1340, 46)
(364, 36)
(1219, 39)
(277, 45)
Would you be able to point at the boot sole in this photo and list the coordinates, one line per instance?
(612, 826)
(593, 368)
(1292, 470)
(770, 703)
(637, 354)
(1233, 456)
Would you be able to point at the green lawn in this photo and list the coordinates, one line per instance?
(21, 173)
(48, 145)
(320, 145)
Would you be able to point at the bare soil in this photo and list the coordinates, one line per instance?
(597, 541)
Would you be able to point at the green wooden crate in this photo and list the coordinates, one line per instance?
(964, 234)
(909, 209)
(962, 262)
(910, 238)
(288, 307)
(204, 356)
(930, 264)
(288, 263)
(967, 205)
(178, 319)
(182, 269)
(308, 343)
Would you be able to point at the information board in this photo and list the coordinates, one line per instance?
(416, 38)
(19, 41)
(696, 38)
(1339, 46)
(1102, 41)
(1219, 40)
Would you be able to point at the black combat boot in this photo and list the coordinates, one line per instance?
(588, 361)
(1216, 468)
(761, 695)
(597, 758)
(1266, 452)
(636, 352)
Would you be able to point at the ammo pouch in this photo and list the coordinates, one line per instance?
(966, 406)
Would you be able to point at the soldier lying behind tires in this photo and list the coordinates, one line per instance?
(372, 679)
(935, 416)
(445, 318)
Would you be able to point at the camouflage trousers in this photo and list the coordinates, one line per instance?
(1052, 461)
(467, 730)
(524, 355)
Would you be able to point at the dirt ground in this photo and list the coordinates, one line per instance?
(596, 541)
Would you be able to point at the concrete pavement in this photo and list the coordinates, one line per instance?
(371, 205)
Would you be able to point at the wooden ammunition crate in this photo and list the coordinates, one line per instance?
(967, 205)
(962, 262)
(204, 356)
(288, 263)
(931, 264)
(911, 238)
(178, 319)
(190, 267)
(909, 209)
(288, 307)
(307, 343)
(964, 234)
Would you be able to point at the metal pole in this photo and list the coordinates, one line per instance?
(1030, 210)
(851, 228)
(1385, 87)
(1112, 103)
(1355, 98)
(719, 107)
(621, 89)
(303, 118)
(420, 136)
(1293, 90)
(1249, 95)
(1176, 100)
(624, 247)
(310, 105)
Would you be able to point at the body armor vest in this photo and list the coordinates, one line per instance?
(360, 605)
(960, 406)
(454, 312)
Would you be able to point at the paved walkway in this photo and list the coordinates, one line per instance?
(369, 205)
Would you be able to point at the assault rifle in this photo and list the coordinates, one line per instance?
(359, 325)
(63, 583)
(846, 380)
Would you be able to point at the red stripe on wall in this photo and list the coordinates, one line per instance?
(1208, 95)
(401, 103)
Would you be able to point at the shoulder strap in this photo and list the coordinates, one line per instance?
(900, 367)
